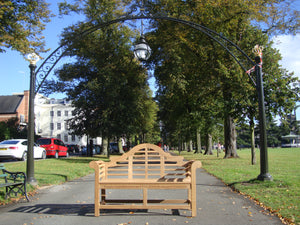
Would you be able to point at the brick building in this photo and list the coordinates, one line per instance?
(15, 106)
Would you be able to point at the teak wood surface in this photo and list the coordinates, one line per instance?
(145, 167)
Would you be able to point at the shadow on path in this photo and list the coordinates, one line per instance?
(83, 210)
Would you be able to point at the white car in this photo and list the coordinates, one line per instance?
(17, 149)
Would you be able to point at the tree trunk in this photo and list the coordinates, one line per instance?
(230, 138)
(185, 146)
(120, 145)
(253, 156)
(198, 135)
(91, 146)
(190, 145)
(208, 150)
(105, 146)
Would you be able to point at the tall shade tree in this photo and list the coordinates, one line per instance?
(21, 25)
(233, 19)
(107, 85)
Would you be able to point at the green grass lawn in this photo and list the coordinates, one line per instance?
(53, 171)
(281, 196)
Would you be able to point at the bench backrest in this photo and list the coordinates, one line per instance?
(2, 168)
(145, 161)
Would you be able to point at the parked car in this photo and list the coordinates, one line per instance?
(54, 147)
(84, 150)
(17, 149)
(73, 149)
(113, 147)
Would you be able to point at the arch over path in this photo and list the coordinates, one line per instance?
(50, 62)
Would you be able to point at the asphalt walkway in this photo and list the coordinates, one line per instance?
(72, 203)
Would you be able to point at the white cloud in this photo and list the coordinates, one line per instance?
(289, 47)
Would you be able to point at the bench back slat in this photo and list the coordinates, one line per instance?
(145, 161)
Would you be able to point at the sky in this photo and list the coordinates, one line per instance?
(15, 72)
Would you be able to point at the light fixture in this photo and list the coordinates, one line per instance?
(142, 50)
(33, 58)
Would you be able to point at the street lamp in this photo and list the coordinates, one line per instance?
(32, 58)
(264, 168)
(142, 51)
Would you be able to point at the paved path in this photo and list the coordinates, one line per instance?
(72, 203)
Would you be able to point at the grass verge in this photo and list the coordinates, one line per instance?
(52, 171)
(280, 196)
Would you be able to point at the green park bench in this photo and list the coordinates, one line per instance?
(14, 182)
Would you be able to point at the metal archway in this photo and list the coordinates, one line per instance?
(50, 62)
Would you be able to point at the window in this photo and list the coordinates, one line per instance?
(58, 137)
(58, 113)
(66, 138)
(51, 126)
(73, 138)
(58, 126)
(52, 113)
(66, 113)
(73, 113)
(22, 119)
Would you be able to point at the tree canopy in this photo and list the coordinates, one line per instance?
(199, 84)
(21, 25)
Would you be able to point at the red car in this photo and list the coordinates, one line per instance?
(54, 147)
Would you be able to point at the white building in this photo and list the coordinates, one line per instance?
(50, 120)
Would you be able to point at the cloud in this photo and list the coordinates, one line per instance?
(289, 47)
(22, 72)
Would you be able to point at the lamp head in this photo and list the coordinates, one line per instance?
(33, 58)
(142, 51)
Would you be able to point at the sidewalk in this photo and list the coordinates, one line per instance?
(72, 203)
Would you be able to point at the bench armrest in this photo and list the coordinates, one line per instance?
(97, 166)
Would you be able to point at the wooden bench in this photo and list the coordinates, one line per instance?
(145, 167)
(14, 182)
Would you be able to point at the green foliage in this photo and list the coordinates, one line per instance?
(10, 129)
(198, 82)
(107, 85)
(22, 23)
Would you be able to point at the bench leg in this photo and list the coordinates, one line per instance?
(15, 189)
(193, 201)
(145, 196)
(97, 202)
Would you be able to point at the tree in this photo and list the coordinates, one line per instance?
(233, 19)
(10, 129)
(107, 86)
(22, 23)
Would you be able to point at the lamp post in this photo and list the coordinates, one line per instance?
(264, 168)
(32, 58)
